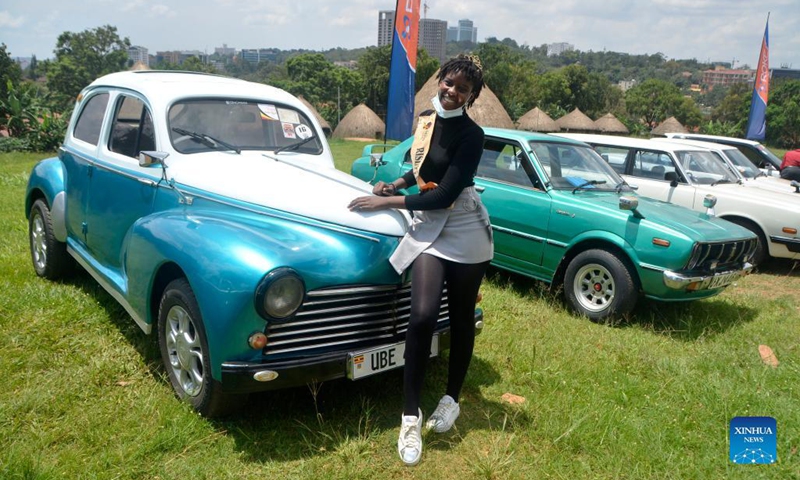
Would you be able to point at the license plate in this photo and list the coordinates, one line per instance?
(722, 280)
(380, 359)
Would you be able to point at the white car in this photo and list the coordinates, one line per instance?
(757, 153)
(747, 173)
(685, 175)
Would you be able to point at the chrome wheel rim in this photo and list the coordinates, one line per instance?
(38, 241)
(184, 350)
(594, 287)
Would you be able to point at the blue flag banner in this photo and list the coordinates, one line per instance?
(402, 73)
(757, 122)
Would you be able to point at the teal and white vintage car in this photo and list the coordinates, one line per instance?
(210, 209)
(560, 214)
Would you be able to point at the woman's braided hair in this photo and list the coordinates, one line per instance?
(472, 69)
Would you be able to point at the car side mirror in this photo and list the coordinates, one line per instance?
(148, 158)
(630, 203)
(672, 177)
(796, 185)
(376, 160)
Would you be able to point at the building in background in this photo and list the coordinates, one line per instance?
(176, 57)
(385, 27)
(554, 49)
(466, 31)
(722, 77)
(137, 54)
(224, 50)
(256, 55)
(432, 34)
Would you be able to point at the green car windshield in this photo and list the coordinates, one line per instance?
(570, 166)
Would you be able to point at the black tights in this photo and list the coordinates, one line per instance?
(428, 277)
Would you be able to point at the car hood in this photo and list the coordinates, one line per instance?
(667, 216)
(291, 184)
(773, 184)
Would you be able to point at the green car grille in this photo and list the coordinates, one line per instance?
(720, 256)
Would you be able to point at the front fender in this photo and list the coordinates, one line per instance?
(47, 180)
(224, 255)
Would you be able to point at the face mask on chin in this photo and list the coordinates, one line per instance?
(437, 105)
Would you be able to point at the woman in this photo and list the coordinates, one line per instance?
(449, 242)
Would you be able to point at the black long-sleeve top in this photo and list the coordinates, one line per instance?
(452, 161)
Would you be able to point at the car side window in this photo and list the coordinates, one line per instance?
(505, 162)
(753, 157)
(650, 164)
(615, 156)
(132, 128)
(90, 121)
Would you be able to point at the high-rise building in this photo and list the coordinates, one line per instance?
(464, 32)
(554, 49)
(385, 27)
(432, 37)
(138, 54)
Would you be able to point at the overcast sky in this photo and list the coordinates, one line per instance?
(716, 30)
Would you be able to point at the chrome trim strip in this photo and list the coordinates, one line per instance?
(146, 327)
(648, 266)
(556, 243)
(518, 234)
(784, 240)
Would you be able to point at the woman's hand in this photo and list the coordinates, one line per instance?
(368, 204)
(384, 189)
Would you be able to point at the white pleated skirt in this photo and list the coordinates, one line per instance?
(460, 234)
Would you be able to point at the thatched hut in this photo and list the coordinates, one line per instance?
(360, 122)
(326, 127)
(537, 121)
(487, 111)
(670, 125)
(576, 121)
(608, 123)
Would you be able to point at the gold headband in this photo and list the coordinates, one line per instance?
(476, 61)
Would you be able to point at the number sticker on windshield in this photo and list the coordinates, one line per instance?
(302, 131)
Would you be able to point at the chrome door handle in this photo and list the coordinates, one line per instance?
(479, 189)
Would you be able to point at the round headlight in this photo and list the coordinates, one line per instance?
(280, 294)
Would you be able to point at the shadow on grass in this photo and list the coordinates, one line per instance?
(780, 267)
(338, 417)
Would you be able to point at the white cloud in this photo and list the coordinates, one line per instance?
(9, 21)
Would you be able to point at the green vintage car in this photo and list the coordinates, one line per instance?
(560, 214)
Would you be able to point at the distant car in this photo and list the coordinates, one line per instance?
(692, 173)
(760, 155)
(746, 172)
(561, 215)
(210, 209)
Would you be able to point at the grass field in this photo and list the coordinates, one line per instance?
(84, 395)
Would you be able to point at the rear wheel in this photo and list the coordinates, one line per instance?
(49, 256)
(599, 285)
(184, 350)
(762, 251)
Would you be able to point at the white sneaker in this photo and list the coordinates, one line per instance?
(409, 444)
(445, 415)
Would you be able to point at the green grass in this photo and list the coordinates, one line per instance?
(84, 395)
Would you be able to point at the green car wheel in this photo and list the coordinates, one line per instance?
(599, 285)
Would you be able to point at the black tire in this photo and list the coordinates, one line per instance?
(184, 351)
(49, 256)
(599, 285)
(761, 254)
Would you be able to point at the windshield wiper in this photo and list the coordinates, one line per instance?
(760, 174)
(622, 185)
(721, 180)
(207, 140)
(587, 183)
(294, 146)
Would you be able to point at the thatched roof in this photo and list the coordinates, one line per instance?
(576, 121)
(669, 125)
(487, 111)
(360, 122)
(608, 123)
(537, 121)
(326, 127)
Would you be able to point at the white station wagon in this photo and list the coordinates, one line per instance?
(685, 175)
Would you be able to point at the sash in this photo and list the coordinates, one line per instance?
(420, 147)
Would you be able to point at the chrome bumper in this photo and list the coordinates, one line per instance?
(680, 281)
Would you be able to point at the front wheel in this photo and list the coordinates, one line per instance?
(184, 351)
(599, 285)
(49, 256)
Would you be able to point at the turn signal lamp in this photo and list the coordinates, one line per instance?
(660, 242)
(257, 341)
(790, 230)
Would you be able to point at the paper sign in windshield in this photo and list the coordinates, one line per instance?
(288, 130)
(268, 112)
(287, 115)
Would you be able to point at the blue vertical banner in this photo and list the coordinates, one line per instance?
(757, 122)
(402, 73)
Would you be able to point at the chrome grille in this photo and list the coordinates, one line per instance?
(721, 256)
(347, 318)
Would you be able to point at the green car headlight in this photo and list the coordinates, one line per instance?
(280, 294)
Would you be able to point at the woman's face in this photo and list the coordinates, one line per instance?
(454, 90)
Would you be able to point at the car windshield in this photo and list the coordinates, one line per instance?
(772, 157)
(202, 125)
(574, 166)
(705, 167)
(742, 163)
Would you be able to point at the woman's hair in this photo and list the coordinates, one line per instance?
(471, 67)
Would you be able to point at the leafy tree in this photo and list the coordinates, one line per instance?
(653, 101)
(33, 69)
(374, 66)
(194, 64)
(82, 57)
(734, 107)
(783, 114)
(9, 72)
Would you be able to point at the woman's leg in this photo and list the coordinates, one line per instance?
(427, 281)
(463, 283)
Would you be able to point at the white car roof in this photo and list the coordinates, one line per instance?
(700, 143)
(630, 142)
(711, 138)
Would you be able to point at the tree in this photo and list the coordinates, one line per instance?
(9, 72)
(783, 114)
(653, 101)
(82, 57)
(374, 66)
(734, 107)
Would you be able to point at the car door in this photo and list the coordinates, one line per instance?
(121, 191)
(519, 212)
